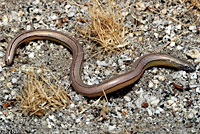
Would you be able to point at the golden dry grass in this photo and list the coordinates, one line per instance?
(40, 94)
(194, 3)
(107, 26)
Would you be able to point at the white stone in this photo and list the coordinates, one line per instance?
(54, 17)
(198, 89)
(1, 69)
(101, 63)
(149, 112)
(67, 6)
(14, 80)
(31, 55)
(13, 93)
(5, 20)
(192, 28)
(36, 2)
(190, 115)
(150, 84)
(111, 128)
(179, 47)
(178, 26)
(195, 54)
(156, 35)
(1, 54)
(127, 98)
(170, 102)
(193, 76)
(72, 105)
(155, 102)
(71, 14)
(162, 78)
(139, 102)
(172, 44)
(168, 30)
(28, 27)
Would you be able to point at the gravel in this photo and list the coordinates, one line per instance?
(151, 105)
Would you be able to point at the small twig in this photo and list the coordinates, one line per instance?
(105, 95)
(174, 39)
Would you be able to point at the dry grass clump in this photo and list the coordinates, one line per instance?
(107, 26)
(40, 94)
(194, 3)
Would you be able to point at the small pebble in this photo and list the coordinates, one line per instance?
(154, 71)
(170, 102)
(195, 54)
(72, 105)
(193, 76)
(123, 67)
(111, 128)
(139, 92)
(139, 102)
(168, 29)
(172, 44)
(156, 35)
(1, 69)
(13, 93)
(6, 91)
(150, 84)
(160, 109)
(31, 55)
(176, 109)
(179, 26)
(71, 14)
(179, 47)
(36, 2)
(7, 97)
(78, 120)
(155, 102)
(190, 115)
(5, 20)
(126, 58)
(108, 72)
(127, 98)
(15, 16)
(120, 62)
(87, 123)
(28, 27)
(198, 89)
(1, 54)
(157, 111)
(164, 11)
(39, 70)
(131, 35)
(144, 105)
(73, 116)
(155, 81)
(52, 117)
(54, 17)
(102, 63)
(44, 122)
(83, 10)
(161, 78)
(14, 80)
(67, 6)
(149, 112)
(49, 125)
(192, 28)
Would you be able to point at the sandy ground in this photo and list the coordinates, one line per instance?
(151, 105)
